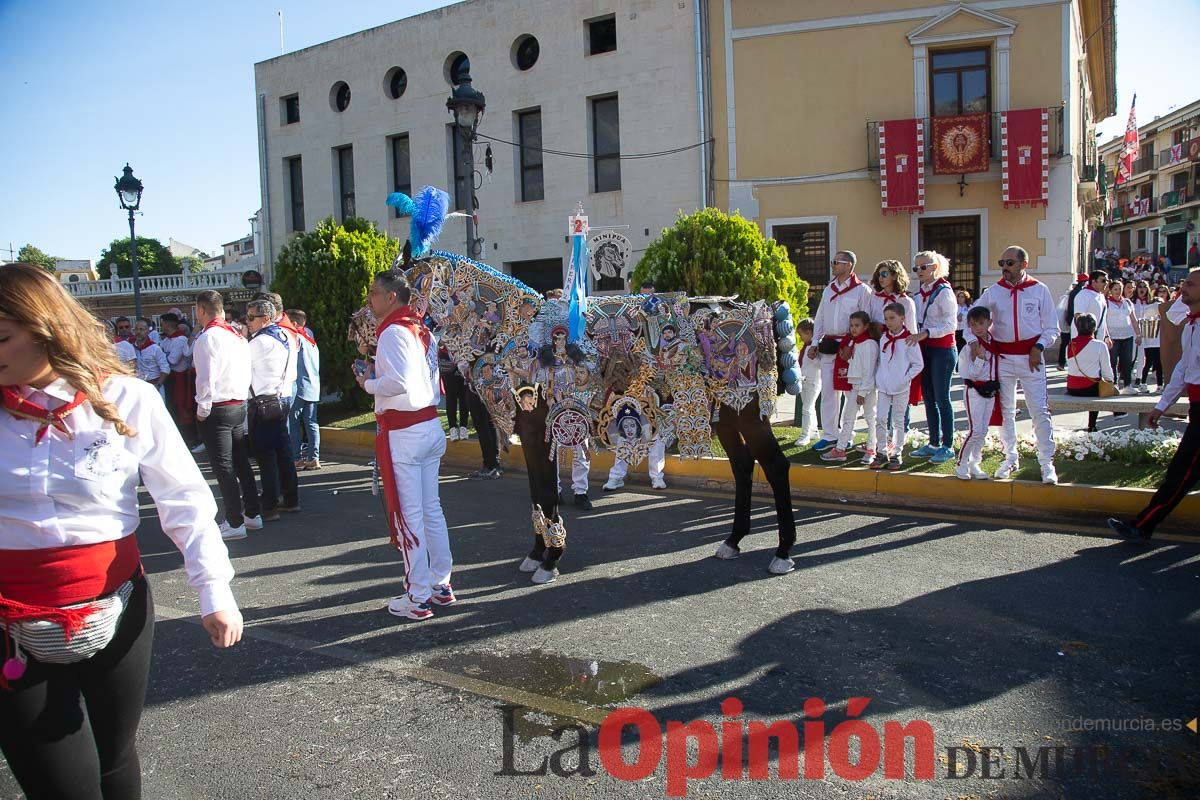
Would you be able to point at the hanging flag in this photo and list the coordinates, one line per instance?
(1025, 157)
(902, 165)
(960, 144)
(1129, 148)
(575, 285)
(1102, 176)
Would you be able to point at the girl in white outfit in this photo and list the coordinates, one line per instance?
(861, 353)
(899, 364)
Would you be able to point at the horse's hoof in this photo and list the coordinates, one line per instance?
(726, 552)
(781, 566)
(529, 565)
(545, 576)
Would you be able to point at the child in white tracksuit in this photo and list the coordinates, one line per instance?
(863, 356)
(810, 385)
(899, 363)
(976, 372)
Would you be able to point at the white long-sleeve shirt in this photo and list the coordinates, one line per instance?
(1092, 362)
(1036, 314)
(899, 363)
(1092, 302)
(1119, 317)
(64, 492)
(178, 352)
(222, 361)
(879, 301)
(1187, 371)
(810, 368)
(833, 315)
(406, 377)
(937, 311)
(979, 369)
(151, 362)
(126, 353)
(272, 362)
(861, 371)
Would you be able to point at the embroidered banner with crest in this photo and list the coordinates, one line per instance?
(1025, 157)
(960, 144)
(902, 165)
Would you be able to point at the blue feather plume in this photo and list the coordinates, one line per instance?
(402, 203)
(429, 213)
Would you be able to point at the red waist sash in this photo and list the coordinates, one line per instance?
(1080, 382)
(1021, 347)
(1193, 392)
(392, 420)
(940, 341)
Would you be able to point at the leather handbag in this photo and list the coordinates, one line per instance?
(1106, 388)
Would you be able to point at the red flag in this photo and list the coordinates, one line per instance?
(960, 144)
(902, 165)
(1130, 148)
(1025, 157)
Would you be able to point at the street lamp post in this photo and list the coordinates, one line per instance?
(467, 105)
(129, 191)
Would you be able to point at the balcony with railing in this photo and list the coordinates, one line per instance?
(1134, 209)
(1057, 148)
(1144, 164)
(187, 283)
(1177, 198)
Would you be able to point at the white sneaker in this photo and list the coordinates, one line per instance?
(406, 606)
(1128, 390)
(198, 448)
(454, 434)
(658, 483)
(727, 553)
(963, 472)
(1049, 474)
(781, 566)
(529, 565)
(614, 484)
(1006, 470)
(253, 523)
(978, 474)
(1143, 389)
(230, 534)
(545, 576)
(463, 433)
(804, 441)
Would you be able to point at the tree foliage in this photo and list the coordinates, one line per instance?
(32, 255)
(326, 272)
(709, 252)
(154, 258)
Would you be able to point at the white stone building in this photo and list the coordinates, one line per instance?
(606, 76)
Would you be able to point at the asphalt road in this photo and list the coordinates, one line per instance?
(996, 636)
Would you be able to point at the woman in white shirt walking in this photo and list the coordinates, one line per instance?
(1087, 363)
(1122, 332)
(75, 431)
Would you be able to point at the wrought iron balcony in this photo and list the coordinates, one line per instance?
(1057, 148)
(1087, 173)
(1144, 164)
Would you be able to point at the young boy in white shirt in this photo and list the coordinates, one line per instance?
(898, 365)
(854, 370)
(981, 389)
(810, 385)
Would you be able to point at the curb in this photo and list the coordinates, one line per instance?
(1021, 498)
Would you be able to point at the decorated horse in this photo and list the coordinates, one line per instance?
(639, 367)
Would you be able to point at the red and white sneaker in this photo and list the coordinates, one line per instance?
(836, 454)
(406, 606)
(443, 595)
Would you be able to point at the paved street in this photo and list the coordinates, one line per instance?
(995, 636)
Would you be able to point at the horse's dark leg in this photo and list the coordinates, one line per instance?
(742, 463)
(542, 469)
(765, 447)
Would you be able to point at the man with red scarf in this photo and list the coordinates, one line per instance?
(181, 383)
(409, 446)
(1024, 324)
(152, 366)
(844, 295)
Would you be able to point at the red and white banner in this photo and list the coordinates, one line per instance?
(1025, 157)
(1129, 148)
(902, 165)
(960, 144)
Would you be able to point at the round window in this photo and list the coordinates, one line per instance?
(339, 96)
(460, 67)
(525, 52)
(396, 82)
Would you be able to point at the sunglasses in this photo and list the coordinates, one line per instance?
(1008, 262)
(922, 267)
(255, 316)
(835, 261)
(883, 273)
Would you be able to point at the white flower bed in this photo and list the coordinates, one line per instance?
(1149, 446)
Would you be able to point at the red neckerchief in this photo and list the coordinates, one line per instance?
(24, 408)
(1025, 284)
(890, 340)
(926, 293)
(989, 345)
(142, 347)
(1191, 318)
(405, 317)
(177, 334)
(287, 325)
(303, 334)
(887, 298)
(1077, 344)
(853, 340)
(220, 323)
(850, 284)
(1117, 303)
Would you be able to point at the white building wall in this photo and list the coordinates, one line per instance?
(653, 72)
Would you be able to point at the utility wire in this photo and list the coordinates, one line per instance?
(791, 178)
(622, 156)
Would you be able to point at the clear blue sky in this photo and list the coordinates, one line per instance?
(169, 87)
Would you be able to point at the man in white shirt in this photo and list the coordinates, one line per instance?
(273, 355)
(409, 446)
(222, 361)
(181, 384)
(1093, 300)
(1184, 470)
(152, 366)
(844, 295)
(1024, 324)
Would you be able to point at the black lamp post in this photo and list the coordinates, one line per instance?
(467, 105)
(129, 190)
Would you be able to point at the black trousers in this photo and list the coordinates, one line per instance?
(69, 731)
(746, 438)
(1121, 357)
(454, 389)
(229, 454)
(1182, 474)
(1063, 341)
(541, 465)
(1091, 391)
(276, 467)
(489, 442)
(1153, 361)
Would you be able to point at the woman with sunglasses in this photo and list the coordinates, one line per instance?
(937, 321)
(1142, 298)
(890, 285)
(77, 435)
(1124, 333)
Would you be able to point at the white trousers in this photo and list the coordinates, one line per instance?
(416, 456)
(896, 405)
(850, 416)
(581, 465)
(979, 412)
(1014, 370)
(830, 399)
(810, 388)
(657, 460)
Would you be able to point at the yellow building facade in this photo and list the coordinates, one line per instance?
(797, 89)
